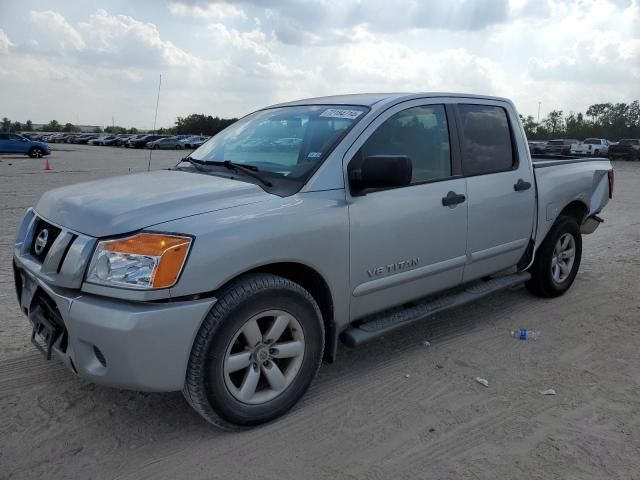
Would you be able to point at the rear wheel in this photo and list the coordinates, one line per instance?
(179, 147)
(256, 353)
(557, 260)
(156, 147)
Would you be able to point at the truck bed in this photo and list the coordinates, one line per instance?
(562, 179)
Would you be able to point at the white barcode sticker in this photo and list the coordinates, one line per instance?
(340, 113)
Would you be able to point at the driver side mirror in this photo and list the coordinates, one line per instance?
(380, 172)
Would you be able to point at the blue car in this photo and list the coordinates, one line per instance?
(14, 143)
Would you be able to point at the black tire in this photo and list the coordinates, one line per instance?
(205, 387)
(542, 282)
(156, 147)
(36, 152)
(179, 147)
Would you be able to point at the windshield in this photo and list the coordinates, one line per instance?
(555, 142)
(629, 142)
(288, 142)
(592, 141)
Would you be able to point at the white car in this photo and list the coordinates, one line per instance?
(592, 147)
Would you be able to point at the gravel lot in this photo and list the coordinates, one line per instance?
(393, 409)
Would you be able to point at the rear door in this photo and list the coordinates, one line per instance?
(404, 243)
(500, 186)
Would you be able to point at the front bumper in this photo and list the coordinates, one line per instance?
(134, 345)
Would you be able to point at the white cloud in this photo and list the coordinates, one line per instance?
(218, 12)
(5, 43)
(59, 30)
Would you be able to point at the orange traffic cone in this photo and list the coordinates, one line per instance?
(46, 164)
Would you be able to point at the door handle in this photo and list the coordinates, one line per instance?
(521, 185)
(453, 198)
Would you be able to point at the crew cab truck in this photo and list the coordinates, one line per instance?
(591, 147)
(231, 276)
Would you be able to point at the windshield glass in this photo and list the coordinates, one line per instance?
(592, 141)
(556, 142)
(288, 142)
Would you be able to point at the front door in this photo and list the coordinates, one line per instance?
(17, 144)
(404, 243)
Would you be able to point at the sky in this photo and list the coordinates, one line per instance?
(99, 61)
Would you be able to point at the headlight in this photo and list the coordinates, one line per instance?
(143, 261)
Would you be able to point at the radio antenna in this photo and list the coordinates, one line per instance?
(155, 119)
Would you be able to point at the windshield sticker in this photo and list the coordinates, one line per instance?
(340, 113)
(314, 155)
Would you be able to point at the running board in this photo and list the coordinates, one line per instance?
(388, 320)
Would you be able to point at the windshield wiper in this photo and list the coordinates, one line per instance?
(250, 170)
(195, 163)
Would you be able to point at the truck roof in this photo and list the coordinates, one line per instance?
(370, 99)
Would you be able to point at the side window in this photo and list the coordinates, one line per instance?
(486, 139)
(4, 136)
(420, 133)
(13, 136)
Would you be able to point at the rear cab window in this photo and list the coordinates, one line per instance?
(486, 141)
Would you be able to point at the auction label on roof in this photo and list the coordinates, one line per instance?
(340, 113)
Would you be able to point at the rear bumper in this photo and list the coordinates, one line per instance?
(134, 345)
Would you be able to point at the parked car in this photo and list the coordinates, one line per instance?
(559, 147)
(166, 143)
(123, 140)
(625, 149)
(592, 147)
(232, 275)
(194, 141)
(112, 140)
(84, 139)
(536, 146)
(142, 140)
(14, 143)
(101, 140)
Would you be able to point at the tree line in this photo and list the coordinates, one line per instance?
(612, 121)
(602, 120)
(197, 124)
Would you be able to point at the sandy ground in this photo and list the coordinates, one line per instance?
(393, 409)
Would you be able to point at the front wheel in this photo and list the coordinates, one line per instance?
(256, 353)
(557, 260)
(36, 152)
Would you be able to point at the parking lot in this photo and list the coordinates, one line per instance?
(396, 408)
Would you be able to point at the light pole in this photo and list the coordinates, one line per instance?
(539, 103)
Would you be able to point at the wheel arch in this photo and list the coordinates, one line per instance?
(313, 282)
(577, 210)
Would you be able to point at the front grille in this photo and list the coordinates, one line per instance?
(39, 248)
(18, 282)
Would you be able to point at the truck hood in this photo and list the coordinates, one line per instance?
(124, 204)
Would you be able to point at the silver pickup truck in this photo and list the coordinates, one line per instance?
(232, 275)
